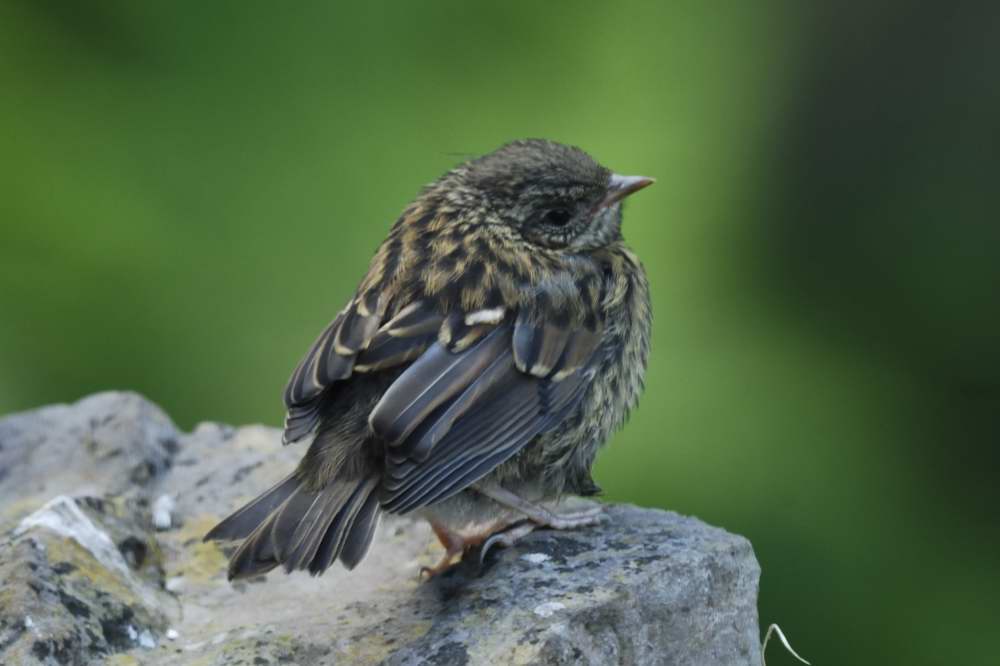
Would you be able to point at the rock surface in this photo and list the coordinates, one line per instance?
(105, 502)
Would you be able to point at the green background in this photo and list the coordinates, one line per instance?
(190, 191)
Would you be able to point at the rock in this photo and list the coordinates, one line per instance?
(103, 555)
(81, 580)
(108, 443)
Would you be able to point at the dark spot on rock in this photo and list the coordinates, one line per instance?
(645, 559)
(134, 550)
(242, 472)
(451, 653)
(75, 607)
(41, 650)
(62, 651)
(142, 473)
(170, 445)
(202, 481)
(113, 453)
(559, 548)
(546, 583)
(532, 635)
(115, 628)
(95, 503)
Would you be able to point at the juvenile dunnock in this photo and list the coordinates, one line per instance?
(498, 338)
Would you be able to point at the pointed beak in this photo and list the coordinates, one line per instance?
(620, 187)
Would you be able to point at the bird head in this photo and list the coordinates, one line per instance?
(549, 194)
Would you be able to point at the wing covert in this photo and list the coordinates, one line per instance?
(356, 341)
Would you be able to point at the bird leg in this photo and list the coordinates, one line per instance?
(537, 516)
(453, 545)
(456, 544)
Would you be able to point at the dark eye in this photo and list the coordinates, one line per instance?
(558, 217)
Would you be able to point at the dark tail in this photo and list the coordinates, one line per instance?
(302, 529)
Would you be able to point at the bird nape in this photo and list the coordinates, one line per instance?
(498, 338)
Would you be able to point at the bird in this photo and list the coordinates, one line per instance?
(498, 338)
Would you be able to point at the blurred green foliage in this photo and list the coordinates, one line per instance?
(191, 191)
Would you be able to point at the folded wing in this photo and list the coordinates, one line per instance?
(452, 417)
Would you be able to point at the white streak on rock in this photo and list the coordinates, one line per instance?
(63, 516)
(549, 608)
(163, 509)
(535, 558)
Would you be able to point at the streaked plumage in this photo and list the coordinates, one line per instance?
(498, 338)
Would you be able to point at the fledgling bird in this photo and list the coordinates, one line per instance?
(498, 338)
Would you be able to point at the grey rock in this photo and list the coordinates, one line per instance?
(107, 443)
(95, 562)
(81, 579)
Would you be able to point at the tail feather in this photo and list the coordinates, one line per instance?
(302, 529)
(245, 520)
(359, 540)
(314, 524)
(287, 519)
(341, 528)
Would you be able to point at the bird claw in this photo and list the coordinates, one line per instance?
(426, 573)
(510, 535)
(506, 537)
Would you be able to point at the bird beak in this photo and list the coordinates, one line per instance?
(620, 187)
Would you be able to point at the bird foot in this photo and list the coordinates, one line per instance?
(506, 537)
(446, 562)
(454, 545)
(511, 534)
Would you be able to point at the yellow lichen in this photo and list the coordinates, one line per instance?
(93, 573)
(202, 561)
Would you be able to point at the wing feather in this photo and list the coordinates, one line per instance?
(356, 341)
(430, 381)
(451, 418)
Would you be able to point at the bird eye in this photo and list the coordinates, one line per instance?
(558, 217)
